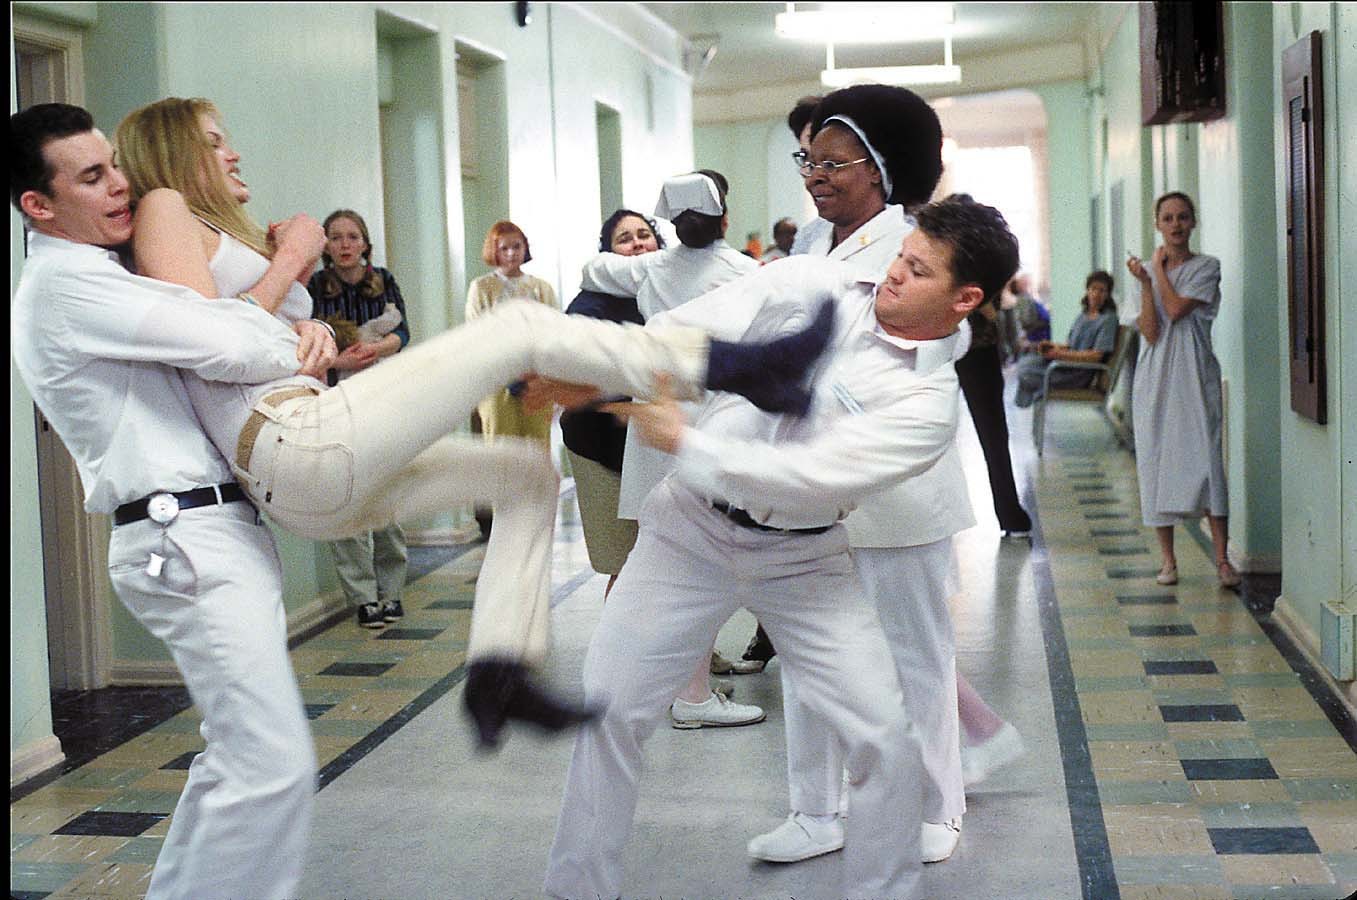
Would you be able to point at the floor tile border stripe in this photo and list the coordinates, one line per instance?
(1311, 678)
(375, 738)
(1097, 878)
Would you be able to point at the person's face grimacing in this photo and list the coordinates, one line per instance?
(852, 194)
(509, 253)
(228, 160)
(632, 237)
(920, 298)
(1175, 222)
(88, 203)
(344, 243)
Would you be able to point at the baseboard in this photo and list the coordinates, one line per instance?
(164, 673)
(1307, 641)
(319, 611)
(145, 673)
(34, 759)
(1255, 563)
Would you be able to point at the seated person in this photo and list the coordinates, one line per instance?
(1093, 337)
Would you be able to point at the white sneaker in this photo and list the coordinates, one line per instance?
(798, 838)
(716, 711)
(978, 762)
(937, 841)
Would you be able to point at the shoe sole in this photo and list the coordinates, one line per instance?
(748, 667)
(798, 857)
(373, 624)
(700, 723)
(392, 618)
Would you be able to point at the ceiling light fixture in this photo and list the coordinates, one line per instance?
(865, 23)
(904, 76)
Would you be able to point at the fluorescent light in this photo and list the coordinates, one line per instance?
(865, 23)
(898, 75)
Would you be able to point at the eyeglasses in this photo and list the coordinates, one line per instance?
(829, 167)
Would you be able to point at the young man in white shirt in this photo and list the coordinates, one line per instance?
(755, 505)
(99, 350)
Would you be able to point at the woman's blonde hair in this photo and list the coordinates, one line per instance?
(162, 145)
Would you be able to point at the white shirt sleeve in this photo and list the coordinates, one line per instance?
(817, 482)
(112, 314)
(621, 276)
(766, 295)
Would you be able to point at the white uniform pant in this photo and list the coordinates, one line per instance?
(910, 587)
(241, 825)
(374, 449)
(690, 570)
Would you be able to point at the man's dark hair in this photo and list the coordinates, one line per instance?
(984, 250)
(698, 230)
(801, 114)
(901, 126)
(29, 132)
(605, 234)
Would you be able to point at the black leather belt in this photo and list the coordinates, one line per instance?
(163, 507)
(744, 520)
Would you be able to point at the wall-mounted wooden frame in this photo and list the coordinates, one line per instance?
(1182, 61)
(1303, 108)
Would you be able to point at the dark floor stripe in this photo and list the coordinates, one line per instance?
(1146, 599)
(562, 593)
(1201, 712)
(1096, 875)
(1262, 840)
(1180, 667)
(346, 760)
(1228, 770)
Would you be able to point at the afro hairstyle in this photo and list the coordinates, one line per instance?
(903, 129)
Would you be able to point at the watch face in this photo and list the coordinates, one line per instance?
(162, 508)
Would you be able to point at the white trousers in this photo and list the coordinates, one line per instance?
(241, 825)
(910, 587)
(374, 449)
(690, 570)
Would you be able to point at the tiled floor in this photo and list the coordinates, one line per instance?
(1175, 750)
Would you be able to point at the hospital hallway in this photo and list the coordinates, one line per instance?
(1178, 744)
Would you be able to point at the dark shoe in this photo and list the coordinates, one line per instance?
(370, 616)
(771, 375)
(392, 611)
(760, 647)
(484, 520)
(499, 690)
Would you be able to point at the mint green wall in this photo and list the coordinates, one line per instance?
(1346, 31)
(739, 151)
(30, 715)
(1069, 186)
(1128, 158)
(1318, 475)
(1235, 204)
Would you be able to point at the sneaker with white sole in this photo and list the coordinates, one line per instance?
(980, 760)
(714, 712)
(798, 838)
(937, 841)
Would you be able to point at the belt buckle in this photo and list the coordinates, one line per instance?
(162, 508)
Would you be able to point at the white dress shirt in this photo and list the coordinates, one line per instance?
(935, 504)
(666, 278)
(99, 349)
(884, 408)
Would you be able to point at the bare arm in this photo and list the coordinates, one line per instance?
(162, 220)
(158, 245)
(1148, 321)
(1176, 306)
